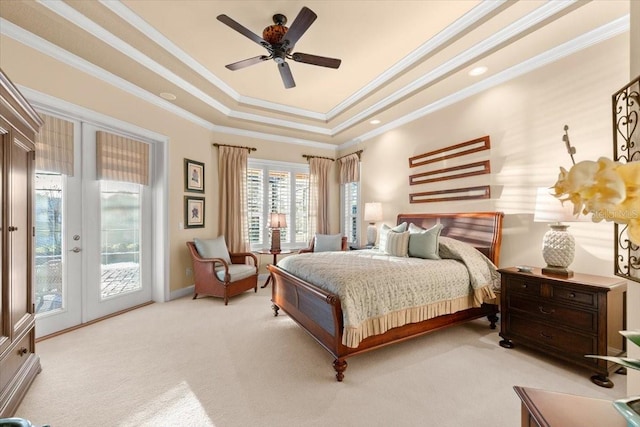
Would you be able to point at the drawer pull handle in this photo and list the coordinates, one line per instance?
(543, 335)
(572, 294)
(524, 286)
(543, 311)
(22, 351)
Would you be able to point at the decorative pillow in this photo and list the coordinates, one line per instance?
(425, 244)
(327, 242)
(213, 248)
(384, 232)
(415, 229)
(397, 244)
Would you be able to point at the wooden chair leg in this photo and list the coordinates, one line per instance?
(195, 295)
(226, 296)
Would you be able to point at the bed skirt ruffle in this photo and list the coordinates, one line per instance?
(352, 337)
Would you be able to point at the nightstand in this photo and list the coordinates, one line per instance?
(565, 317)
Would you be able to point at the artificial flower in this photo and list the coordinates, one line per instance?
(609, 190)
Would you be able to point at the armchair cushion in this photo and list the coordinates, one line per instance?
(236, 271)
(327, 242)
(213, 248)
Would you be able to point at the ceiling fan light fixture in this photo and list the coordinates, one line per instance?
(274, 33)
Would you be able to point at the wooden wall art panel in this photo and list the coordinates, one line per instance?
(457, 150)
(470, 169)
(479, 192)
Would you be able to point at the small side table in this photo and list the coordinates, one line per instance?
(541, 408)
(275, 260)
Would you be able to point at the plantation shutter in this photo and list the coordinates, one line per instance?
(121, 159)
(54, 146)
(255, 200)
(280, 197)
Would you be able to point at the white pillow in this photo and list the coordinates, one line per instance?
(397, 244)
(213, 248)
(385, 230)
(328, 243)
(425, 243)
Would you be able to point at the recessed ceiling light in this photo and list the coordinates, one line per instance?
(375, 122)
(477, 71)
(168, 96)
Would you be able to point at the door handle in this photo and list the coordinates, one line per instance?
(12, 228)
(76, 249)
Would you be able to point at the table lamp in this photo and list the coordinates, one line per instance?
(372, 213)
(558, 246)
(276, 222)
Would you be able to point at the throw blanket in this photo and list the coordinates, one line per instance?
(379, 292)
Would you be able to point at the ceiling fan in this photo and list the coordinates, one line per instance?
(280, 41)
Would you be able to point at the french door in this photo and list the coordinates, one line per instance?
(92, 242)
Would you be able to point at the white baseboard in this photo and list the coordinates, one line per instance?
(180, 293)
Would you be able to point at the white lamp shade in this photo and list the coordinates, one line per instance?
(278, 220)
(373, 211)
(551, 209)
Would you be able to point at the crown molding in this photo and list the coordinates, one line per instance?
(614, 28)
(461, 60)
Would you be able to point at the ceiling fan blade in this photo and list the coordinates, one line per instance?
(287, 77)
(322, 61)
(242, 30)
(301, 24)
(246, 62)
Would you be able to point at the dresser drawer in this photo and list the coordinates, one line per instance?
(569, 343)
(523, 286)
(574, 296)
(586, 321)
(17, 356)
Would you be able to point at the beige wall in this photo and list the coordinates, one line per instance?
(524, 119)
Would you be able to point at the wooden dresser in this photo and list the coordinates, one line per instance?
(19, 364)
(565, 317)
(541, 408)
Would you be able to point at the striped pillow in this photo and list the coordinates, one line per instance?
(397, 244)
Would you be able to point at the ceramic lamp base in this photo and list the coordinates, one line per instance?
(558, 250)
(372, 234)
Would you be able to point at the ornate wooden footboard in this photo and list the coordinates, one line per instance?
(319, 312)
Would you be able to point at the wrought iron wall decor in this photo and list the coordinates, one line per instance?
(626, 148)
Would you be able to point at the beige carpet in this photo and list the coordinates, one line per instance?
(199, 363)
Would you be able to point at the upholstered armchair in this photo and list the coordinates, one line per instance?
(326, 242)
(219, 273)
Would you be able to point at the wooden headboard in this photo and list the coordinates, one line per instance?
(483, 230)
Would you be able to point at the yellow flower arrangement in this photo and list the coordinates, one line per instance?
(609, 190)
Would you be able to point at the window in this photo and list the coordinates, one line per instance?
(350, 200)
(278, 187)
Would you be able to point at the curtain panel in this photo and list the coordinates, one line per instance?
(349, 168)
(54, 146)
(232, 170)
(319, 194)
(121, 159)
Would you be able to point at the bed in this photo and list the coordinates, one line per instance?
(320, 311)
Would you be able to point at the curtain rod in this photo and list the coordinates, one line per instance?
(355, 152)
(235, 146)
(309, 156)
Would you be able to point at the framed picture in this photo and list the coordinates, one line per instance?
(193, 176)
(193, 212)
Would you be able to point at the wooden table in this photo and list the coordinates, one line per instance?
(541, 408)
(275, 260)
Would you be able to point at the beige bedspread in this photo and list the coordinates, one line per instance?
(379, 292)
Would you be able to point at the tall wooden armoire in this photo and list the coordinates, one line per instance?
(19, 363)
